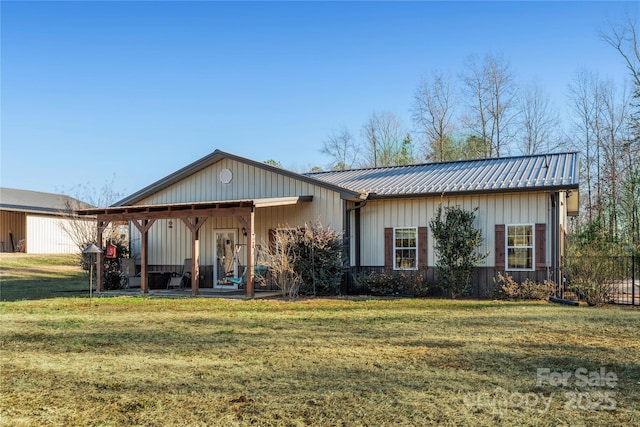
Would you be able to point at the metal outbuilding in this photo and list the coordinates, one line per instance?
(33, 221)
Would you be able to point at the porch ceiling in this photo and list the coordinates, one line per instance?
(190, 210)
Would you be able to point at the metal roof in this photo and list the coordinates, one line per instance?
(522, 173)
(12, 199)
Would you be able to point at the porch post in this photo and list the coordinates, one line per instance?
(144, 261)
(194, 225)
(144, 227)
(251, 243)
(195, 261)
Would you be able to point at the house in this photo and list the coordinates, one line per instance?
(218, 210)
(38, 223)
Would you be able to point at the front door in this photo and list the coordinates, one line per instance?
(225, 256)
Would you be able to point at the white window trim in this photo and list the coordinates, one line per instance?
(533, 247)
(394, 249)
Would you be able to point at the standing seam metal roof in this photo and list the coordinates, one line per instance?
(12, 199)
(543, 171)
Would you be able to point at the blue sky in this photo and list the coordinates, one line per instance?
(132, 91)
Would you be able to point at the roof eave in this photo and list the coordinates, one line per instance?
(376, 196)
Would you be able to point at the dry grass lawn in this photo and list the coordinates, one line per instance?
(321, 362)
(144, 361)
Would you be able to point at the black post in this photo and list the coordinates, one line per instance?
(633, 279)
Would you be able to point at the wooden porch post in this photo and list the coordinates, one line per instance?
(144, 227)
(194, 225)
(195, 262)
(249, 224)
(251, 243)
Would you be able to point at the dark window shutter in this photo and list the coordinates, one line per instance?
(388, 248)
(272, 240)
(541, 247)
(422, 247)
(499, 255)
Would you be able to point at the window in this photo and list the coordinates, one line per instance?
(405, 248)
(520, 246)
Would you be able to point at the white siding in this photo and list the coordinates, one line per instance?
(492, 209)
(47, 235)
(170, 246)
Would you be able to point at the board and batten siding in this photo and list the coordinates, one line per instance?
(515, 208)
(47, 235)
(170, 246)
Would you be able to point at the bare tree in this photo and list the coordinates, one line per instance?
(432, 113)
(614, 121)
(625, 40)
(491, 90)
(502, 90)
(582, 104)
(341, 147)
(537, 122)
(83, 231)
(383, 140)
(475, 86)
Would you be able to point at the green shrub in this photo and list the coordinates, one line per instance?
(305, 260)
(590, 278)
(112, 267)
(318, 259)
(388, 282)
(456, 242)
(507, 288)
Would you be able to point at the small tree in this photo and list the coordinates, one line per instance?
(456, 241)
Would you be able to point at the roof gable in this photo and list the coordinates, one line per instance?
(218, 156)
(522, 173)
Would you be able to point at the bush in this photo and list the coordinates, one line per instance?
(388, 282)
(318, 258)
(507, 288)
(112, 271)
(589, 277)
(456, 241)
(308, 260)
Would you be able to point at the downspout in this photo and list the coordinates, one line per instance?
(347, 238)
(357, 245)
(555, 244)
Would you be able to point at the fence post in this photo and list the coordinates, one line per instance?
(633, 279)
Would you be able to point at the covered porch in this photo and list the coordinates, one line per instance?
(193, 215)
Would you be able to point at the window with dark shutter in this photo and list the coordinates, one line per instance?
(405, 248)
(499, 244)
(541, 246)
(388, 248)
(422, 247)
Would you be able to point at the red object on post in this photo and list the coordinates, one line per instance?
(111, 251)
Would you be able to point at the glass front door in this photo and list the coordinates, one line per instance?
(225, 257)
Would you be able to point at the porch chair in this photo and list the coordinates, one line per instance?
(238, 281)
(182, 279)
(128, 277)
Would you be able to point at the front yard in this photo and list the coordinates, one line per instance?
(353, 361)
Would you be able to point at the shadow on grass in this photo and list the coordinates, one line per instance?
(18, 290)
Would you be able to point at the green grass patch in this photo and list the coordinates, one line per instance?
(353, 361)
(25, 276)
